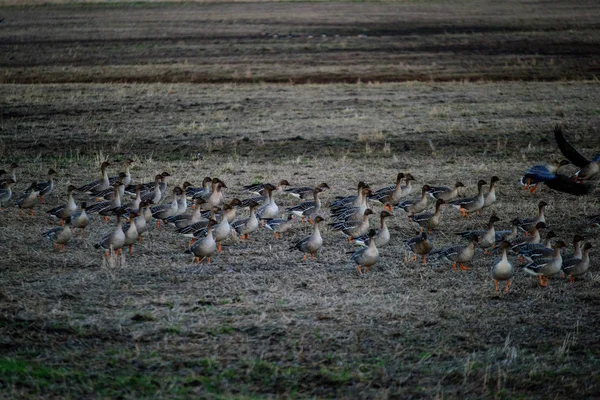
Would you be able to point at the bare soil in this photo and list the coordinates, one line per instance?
(300, 42)
(258, 321)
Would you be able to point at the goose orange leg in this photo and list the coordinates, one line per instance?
(496, 284)
(533, 189)
(359, 270)
(507, 286)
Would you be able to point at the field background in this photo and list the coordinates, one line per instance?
(309, 92)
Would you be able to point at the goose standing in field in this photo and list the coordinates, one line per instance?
(270, 209)
(161, 212)
(182, 200)
(280, 225)
(509, 234)
(351, 212)
(487, 237)
(202, 192)
(206, 246)
(59, 235)
(125, 176)
(490, 196)
(310, 244)
(151, 195)
(546, 267)
(528, 224)
(577, 251)
(353, 228)
(97, 185)
(382, 235)
(247, 225)
(12, 174)
(459, 254)
(182, 221)
(503, 269)
(45, 188)
(6, 192)
(578, 266)
(420, 245)
(140, 221)
(349, 201)
(29, 199)
(64, 211)
(469, 205)
(532, 251)
(222, 230)
(533, 237)
(114, 241)
(389, 194)
(216, 197)
(307, 209)
(407, 189)
(304, 191)
(590, 169)
(444, 192)
(107, 207)
(429, 220)
(415, 206)
(131, 233)
(259, 188)
(79, 219)
(108, 194)
(367, 256)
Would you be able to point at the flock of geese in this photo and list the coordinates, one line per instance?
(214, 220)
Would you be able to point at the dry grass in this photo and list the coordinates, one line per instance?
(258, 321)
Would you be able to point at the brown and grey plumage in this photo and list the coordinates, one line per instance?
(469, 205)
(6, 192)
(310, 244)
(206, 246)
(304, 191)
(546, 267)
(420, 245)
(444, 192)
(97, 185)
(578, 266)
(60, 236)
(429, 220)
(503, 269)
(459, 254)
(64, 211)
(382, 236)
(367, 256)
(29, 199)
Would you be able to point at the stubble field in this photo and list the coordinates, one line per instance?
(258, 321)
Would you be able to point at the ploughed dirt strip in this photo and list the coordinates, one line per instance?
(299, 42)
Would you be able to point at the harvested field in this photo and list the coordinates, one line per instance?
(258, 321)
